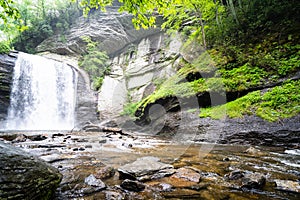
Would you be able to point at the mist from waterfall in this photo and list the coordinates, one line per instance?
(43, 95)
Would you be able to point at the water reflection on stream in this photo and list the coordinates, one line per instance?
(79, 154)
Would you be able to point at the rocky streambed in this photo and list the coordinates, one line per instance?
(114, 165)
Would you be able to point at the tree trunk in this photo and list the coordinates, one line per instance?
(200, 20)
(202, 30)
(217, 14)
(231, 6)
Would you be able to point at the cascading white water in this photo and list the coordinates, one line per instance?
(43, 95)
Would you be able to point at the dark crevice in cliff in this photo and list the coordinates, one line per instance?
(193, 76)
(7, 63)
(231, 96)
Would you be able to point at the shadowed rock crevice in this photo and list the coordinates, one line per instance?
(7, 62)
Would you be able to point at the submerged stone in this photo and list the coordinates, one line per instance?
(105, 172)
(187, 174)
(114, 195)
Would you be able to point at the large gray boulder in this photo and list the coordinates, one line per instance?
(23, 176)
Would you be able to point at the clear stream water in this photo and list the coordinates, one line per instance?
(79, 154)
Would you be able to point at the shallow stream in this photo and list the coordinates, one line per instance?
(221, 169)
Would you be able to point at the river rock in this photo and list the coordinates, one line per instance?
(37, 137)
(105, 172)
(20, 138)
(93, 181)
(161, 187)
(287, 185)
(187, 174)
(145, 167)
(114, 195)
(246, 180)
(23, 176)
(253, 151)
(253, 180)
(234, 175)
(132, 185)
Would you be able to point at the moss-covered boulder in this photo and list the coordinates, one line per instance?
(23, 176)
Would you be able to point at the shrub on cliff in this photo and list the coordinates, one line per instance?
(94, 62)
(4, 47)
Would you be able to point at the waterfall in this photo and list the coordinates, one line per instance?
(43, 95)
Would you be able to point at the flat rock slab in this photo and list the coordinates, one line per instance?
(144, 166)
(287, 185)
(23, 176)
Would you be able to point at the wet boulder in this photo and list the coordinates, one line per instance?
(37, 137)
(253, 180)
(89, 186)
(23, 176)
(234, 175)
(132, 185)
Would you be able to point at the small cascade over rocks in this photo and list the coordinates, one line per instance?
(43, 95)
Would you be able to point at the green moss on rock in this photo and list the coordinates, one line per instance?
(278, 102)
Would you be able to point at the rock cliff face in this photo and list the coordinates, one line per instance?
(7, 63)
(136, 71)
(111, 29)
